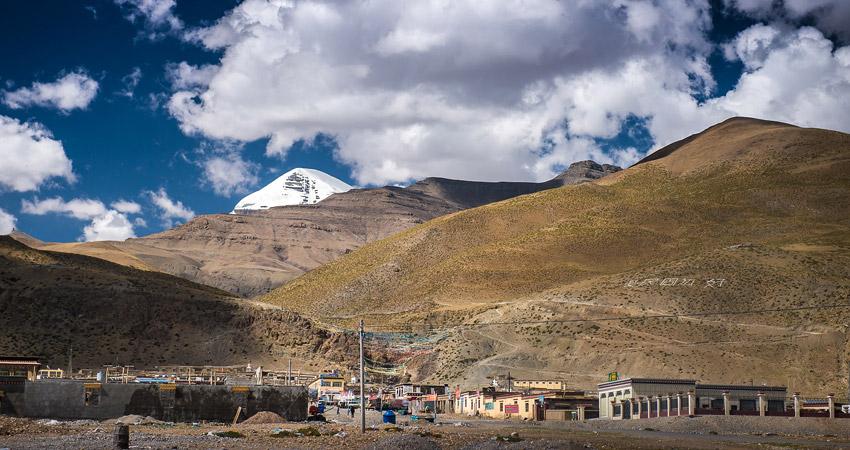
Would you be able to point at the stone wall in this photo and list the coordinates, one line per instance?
(66, 399)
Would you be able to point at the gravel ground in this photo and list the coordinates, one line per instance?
(453, 433)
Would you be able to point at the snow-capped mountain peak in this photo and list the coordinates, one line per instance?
(297, 187)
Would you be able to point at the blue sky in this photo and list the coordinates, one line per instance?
(393, 96)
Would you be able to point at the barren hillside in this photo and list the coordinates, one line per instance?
(750, 214)
(251, 254)
(51, 302)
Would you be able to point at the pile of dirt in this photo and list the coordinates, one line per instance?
(264, 417)
(134, 419)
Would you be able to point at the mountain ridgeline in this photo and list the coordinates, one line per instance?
(255, 251)
(747, 215)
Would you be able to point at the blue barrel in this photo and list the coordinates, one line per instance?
(389, 417)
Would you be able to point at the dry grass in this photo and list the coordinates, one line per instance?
(782, 189)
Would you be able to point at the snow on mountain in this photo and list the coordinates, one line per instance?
(296, 187)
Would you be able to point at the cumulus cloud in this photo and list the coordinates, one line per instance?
(7, 222)
(106, 224)
(126, 206)
(186, 76)
(831, 16)
(156, 15)
(72, 91)
(110, 226)
(29, 156)
(802, 80)
(229, 174)
(78, 208)
(169, 209)
(407, 90)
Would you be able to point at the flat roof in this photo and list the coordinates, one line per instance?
(20, 360)
(625, 381)
(741, 387)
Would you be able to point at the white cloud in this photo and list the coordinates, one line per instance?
(73, 91)
(752, 46)
(7, 222)
(126, 206)
(495, 90)
(130, 81)
(157, 15)
(29, 156)
(229, 174)
(78, 208)
(110, 226)
(453, 89)
(169, 209)
(831, 16)
(802, 80)
(187, 76)
(106, 224)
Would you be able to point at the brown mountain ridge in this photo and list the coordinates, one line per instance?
(250, 254)
(747, 215)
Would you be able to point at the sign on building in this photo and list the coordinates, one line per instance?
(512, 409)
(613, 376)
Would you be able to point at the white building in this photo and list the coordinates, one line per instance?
(659, 397)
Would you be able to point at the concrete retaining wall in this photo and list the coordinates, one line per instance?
(65, 399)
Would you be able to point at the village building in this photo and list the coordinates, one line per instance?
(548, 405)
(19, 367)
(539, 385)
(660, 397)
(410, 390)
(328, 387)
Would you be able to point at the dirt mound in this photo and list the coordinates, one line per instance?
(264, 417)
(134, 419)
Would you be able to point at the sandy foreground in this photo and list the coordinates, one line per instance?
(453, 432)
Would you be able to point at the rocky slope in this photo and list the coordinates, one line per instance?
(253, 252)
(51, 302)
(748, 215)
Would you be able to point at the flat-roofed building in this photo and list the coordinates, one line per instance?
(660, 397)
(19, 367)
(327, 387)
(613, 394)
(539, 385)
(406, 390)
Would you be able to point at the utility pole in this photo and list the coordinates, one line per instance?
(434, 393)
(362, 385)
(70, 361)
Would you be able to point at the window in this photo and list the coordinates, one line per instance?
(526, 406)
(603, 395)
(501, 406)
(627, 391)
(92, 395)
(619, 392)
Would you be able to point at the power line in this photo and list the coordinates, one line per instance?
(387, 328)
